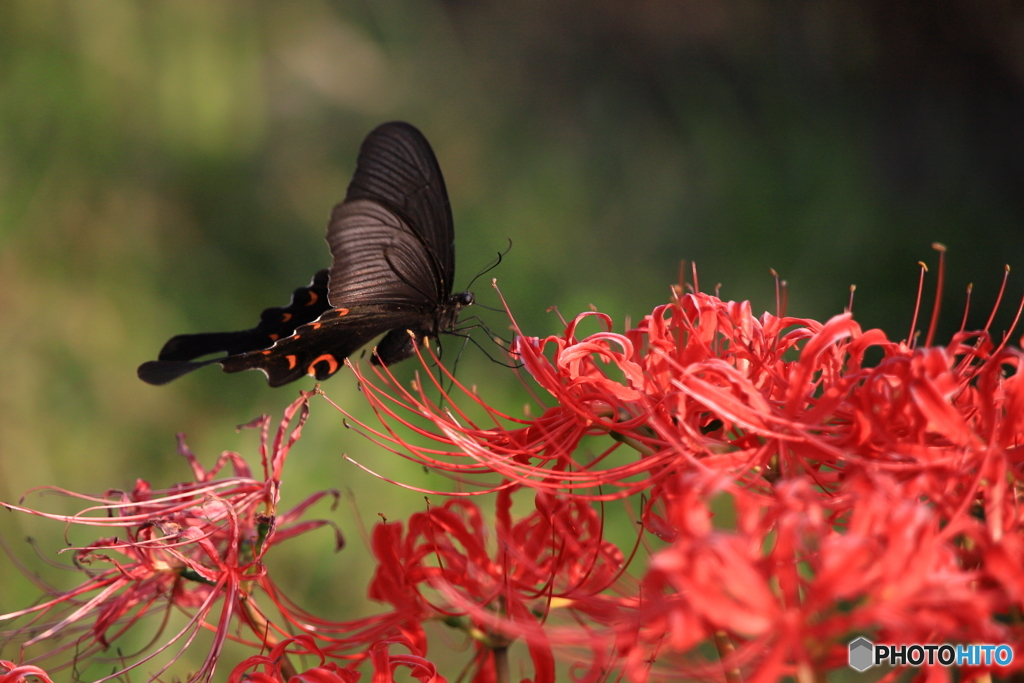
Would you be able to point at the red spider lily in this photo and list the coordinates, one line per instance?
(189, 547)
(702, 363)
(872, 562)
(880, 499)
(449, 565)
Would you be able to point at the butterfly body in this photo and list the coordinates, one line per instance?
(392, 240)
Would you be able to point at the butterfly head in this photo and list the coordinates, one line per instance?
(448, 315)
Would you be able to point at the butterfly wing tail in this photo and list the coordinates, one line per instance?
(280, 368)
(159, 372)
(191, 346)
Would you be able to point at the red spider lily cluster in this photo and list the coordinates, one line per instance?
(787, 486)
(191, 547)
(792, 496)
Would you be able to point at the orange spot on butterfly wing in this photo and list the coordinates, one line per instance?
(313, 298)
(339, 312)
(286, 317)
(332, 365)
(292, 360)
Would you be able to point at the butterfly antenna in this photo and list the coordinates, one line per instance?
(497, 262)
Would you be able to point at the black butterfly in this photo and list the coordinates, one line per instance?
(394, 259)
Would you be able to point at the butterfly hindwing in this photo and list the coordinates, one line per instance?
(318, 348)
(307, 304)
(178, 355)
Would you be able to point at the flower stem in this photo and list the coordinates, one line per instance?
(726, 650)
(261, 627)
(501, 673)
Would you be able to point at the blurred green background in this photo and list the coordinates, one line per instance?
(169, 167)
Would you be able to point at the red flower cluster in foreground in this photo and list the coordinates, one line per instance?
(711, 494)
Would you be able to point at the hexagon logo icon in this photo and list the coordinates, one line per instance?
(862, 653)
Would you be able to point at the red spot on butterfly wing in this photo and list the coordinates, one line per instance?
(332, 365)
(313, 298)
(286, 317)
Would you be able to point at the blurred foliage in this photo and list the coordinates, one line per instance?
(168, 167)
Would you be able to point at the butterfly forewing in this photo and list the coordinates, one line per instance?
(377, 259)
(396, 170)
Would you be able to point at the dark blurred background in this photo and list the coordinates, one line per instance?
(168, 167)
